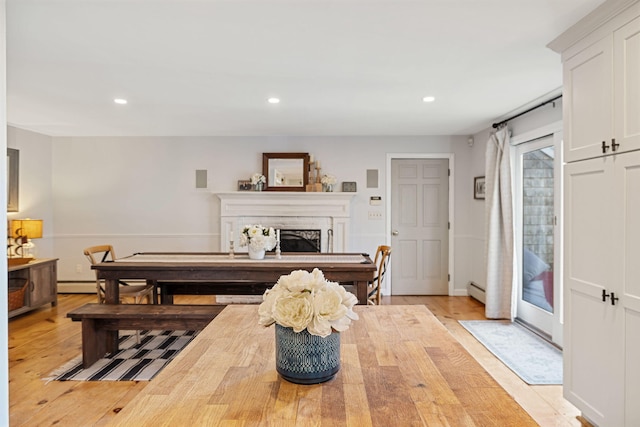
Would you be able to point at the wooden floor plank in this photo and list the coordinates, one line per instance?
(40, 341)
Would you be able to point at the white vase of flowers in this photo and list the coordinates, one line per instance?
(327, 183)
(258, 239)
(309, 312)
(258, 180)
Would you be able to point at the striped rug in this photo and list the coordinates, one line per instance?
(134, 362)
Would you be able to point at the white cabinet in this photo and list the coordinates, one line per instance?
(602, 288)
(601, 102)
(587, 101)
(601, 279)
(626, 97)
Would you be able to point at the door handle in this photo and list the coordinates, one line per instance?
(614, 146)
(605, 147)
(395, 232)
(614, 298)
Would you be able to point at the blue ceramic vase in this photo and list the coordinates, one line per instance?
(303, 358)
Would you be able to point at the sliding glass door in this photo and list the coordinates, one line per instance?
(537, 175)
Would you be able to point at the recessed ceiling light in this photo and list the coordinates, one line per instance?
(428, 99)
(120, 101)
(273, 100)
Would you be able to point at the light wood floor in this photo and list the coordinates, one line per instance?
(41, 341)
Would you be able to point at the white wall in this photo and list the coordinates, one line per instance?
(35, 198)
(139, 193)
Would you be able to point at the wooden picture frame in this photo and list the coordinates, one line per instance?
(244, 185)
(479, 187)
(13, 177)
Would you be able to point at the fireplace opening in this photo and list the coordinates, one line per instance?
(300, 240)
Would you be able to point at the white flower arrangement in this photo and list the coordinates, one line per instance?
(303, 300)
(258, 237)
(328, 179)
(258, 177)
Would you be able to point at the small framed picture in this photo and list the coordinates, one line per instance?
(244, 185)
(349, 187)
(478, 187)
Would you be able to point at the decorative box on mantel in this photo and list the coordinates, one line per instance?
(328, 212)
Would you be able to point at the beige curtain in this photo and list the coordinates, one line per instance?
(499, 228)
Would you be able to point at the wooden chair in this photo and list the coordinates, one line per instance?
(381, 260)
(138, 293)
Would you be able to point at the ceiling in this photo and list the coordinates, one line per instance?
(343, 67)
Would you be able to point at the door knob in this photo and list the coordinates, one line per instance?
(395, 232)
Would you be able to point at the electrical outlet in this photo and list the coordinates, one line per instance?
(78, 268)
(375, 215)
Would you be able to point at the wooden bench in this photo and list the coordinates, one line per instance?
(99, 321)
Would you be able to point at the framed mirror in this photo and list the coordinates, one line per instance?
(13, 174)
(286, 171)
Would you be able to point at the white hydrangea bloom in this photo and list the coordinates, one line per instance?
(303, 300)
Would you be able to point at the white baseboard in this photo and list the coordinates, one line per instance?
(76, 287)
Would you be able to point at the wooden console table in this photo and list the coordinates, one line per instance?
(41, 277)
(399, 367)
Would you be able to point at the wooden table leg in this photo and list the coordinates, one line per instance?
(94, 342)
(165, 297)
(111, 291)
(361, 292)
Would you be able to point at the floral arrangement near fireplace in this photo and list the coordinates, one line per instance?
(258, 239)
(328, 182)
(258, 180)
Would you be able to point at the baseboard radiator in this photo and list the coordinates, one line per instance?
(476, 292)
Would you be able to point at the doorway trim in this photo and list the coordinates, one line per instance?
(451, 157)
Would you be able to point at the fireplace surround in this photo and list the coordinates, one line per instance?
(328, 212)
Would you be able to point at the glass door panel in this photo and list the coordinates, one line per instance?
(538, 217)
(537, 193)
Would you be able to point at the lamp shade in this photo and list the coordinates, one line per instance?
(29, 228)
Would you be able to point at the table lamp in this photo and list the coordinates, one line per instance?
(22, 231)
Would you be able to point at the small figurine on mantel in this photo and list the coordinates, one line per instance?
(314, 184)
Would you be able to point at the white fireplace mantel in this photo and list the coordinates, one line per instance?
(328, 212)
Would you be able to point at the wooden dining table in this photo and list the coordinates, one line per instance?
(223, 274)
(399, 367)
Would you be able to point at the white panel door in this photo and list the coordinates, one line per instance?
(420, 224)
(593, 350)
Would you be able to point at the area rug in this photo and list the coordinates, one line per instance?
(530, 356)
(134, 362)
